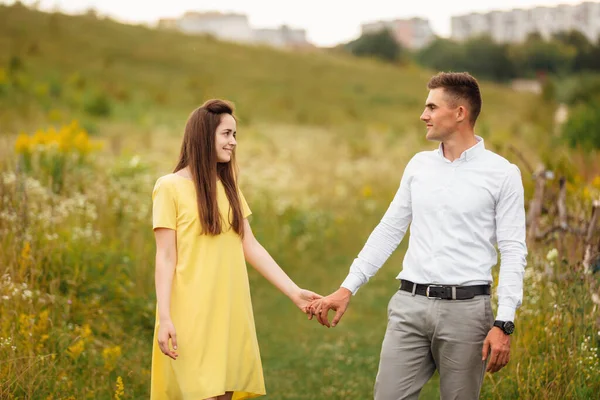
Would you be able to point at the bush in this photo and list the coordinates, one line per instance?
(380, 45)
(582, 129)
(98, 106)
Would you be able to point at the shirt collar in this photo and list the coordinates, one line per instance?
(468, 154)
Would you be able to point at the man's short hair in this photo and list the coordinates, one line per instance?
(459, 86)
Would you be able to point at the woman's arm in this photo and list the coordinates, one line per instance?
(166, 259)
(261, 260)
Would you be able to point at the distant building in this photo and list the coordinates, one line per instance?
(235, 28)
(515, 25)
(413, 33)
(283, 36)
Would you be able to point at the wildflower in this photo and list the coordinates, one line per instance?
(86, 331)
(120, 390)
(81, 143)
(552, 255)
(23, 144)
(111, 355)
(75, 350)
(25, 257)
(135, 161)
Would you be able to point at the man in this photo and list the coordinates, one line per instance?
(460, 201)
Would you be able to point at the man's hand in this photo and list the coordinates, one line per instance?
(337, 301)
(497, 346)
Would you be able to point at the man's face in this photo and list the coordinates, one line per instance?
(440, 115)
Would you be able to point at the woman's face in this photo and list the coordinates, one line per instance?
(225, 138)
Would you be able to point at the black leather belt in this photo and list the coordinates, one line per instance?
(445, 292)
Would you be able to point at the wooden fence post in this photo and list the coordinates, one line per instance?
(588, 255)
(535, 205)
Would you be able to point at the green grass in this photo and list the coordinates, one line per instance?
(323, 140)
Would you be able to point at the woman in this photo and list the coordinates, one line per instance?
(203, 298)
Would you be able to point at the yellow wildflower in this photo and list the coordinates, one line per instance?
(23, 144)
(86, 331)
(120, 390)
(25, 255)
(367, 191)
(64, 140)
(586, 193)
(39, 138)
(111, 355)
(25, 323)
(3, 76)
(75, 350)
(81, 143)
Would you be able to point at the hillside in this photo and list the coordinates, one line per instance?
(67, 62)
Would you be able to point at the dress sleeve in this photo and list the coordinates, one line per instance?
(164, 206)
(246, 212)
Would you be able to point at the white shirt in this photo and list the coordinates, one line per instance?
(458, 212)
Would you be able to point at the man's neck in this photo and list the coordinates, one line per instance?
(457, 144)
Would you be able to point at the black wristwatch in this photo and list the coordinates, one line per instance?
(507, 326)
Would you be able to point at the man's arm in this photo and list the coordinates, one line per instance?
(510, 233)
(381, 244)
(385, 237)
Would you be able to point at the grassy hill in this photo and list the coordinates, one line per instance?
(142, 72)
(323, 140)
(127, 82)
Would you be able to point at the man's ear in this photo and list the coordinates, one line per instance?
(461, 114)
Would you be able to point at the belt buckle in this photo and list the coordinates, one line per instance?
(427, 291)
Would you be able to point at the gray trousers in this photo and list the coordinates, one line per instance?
(424, 334)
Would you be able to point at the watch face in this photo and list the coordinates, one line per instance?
(509, 327)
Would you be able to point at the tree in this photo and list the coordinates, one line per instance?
(487, 59)
(443, 54)
(537, 55)
(584, 49)
(381, 45)
(582, 129)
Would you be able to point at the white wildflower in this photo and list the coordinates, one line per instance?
(552, 255)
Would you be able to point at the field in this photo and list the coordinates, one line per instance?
(92, 112)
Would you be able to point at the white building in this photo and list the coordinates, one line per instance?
(412, 33)
(234, 28)
(515, 25)
(283, 36)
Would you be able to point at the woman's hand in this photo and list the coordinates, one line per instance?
(166, 331)
(302, 299)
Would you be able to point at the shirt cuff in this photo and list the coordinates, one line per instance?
(505, 313)
(352, 283)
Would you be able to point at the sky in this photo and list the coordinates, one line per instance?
(327, 22)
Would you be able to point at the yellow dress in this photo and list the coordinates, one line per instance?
(210, 304)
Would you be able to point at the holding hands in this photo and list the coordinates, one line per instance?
(337, 301)
(302, 298)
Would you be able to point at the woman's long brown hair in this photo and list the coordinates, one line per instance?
(198, 152)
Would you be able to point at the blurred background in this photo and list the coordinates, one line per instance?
(94, 96)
